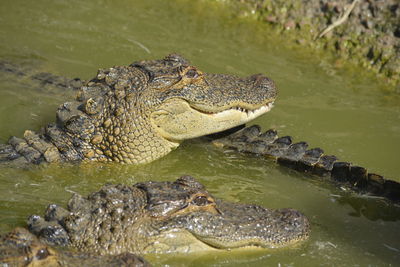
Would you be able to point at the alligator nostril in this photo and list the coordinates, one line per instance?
(264, 83)
(258, 76)
(259, 79)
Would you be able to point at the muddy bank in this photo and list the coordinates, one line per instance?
(368, 37)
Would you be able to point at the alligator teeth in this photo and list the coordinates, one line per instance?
(255, 112)
(247, 114)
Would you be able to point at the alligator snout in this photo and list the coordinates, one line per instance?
(265, 84)
(241, 225)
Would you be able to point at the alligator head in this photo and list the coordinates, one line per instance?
(189, 103)
(138, 113)
(165, 217)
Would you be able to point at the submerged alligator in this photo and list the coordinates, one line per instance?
(164, 217)
(20, 248)
(44, 78)
(139, 113)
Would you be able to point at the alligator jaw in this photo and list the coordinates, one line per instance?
(247, 114)
(238, 226)
(168, 118)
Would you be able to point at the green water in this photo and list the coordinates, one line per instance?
(345, 112)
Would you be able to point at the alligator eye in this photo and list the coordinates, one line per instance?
(192, 73)
(200, 201)
(42, 254)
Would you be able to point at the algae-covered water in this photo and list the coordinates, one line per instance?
(344, 111)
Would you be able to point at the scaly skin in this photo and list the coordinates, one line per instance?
(296, 156)
(139, 113)
(20, 248)
(165, 217)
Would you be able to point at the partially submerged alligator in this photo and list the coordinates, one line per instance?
(164, 217)
(20, 248)
(139, 113)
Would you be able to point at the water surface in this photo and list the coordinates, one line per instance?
(347, 113)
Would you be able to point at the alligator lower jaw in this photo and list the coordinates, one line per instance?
(250, 243)
(178, 120)
(183, 241)
(177, 241)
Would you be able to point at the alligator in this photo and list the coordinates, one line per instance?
(165, 217)
(139, 113)
(108, 121)
(313, 161)
(20, 248)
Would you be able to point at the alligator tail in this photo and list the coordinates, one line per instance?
(44, 78)
(32, 148)
(297, 156)
(57, 141)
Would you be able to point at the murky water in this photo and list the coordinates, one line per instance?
(345, 112)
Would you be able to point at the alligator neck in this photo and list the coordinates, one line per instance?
(91, 129)
(116, 132)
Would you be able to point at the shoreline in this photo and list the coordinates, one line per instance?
(361, 33)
